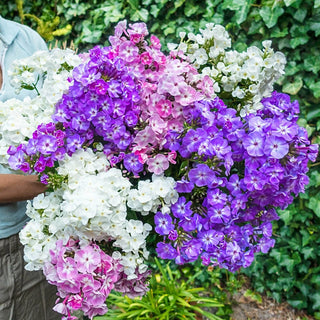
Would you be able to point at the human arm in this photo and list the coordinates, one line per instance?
(14, 187)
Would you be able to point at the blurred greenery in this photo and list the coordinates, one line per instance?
(292, 269)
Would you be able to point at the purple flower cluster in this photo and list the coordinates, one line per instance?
(46, 146)
(102, 104)
(235, 172)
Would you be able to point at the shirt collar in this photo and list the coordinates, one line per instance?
(8, 31)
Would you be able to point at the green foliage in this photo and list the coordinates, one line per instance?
(292, 271)
(170, 297)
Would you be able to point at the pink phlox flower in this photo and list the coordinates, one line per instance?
(87, 259)
(94, 297)
(145, 137)
(157, 124)
(188, 95)
(71, 286)
(206, 86)
(172, 155)
(138, 28)
(164, 108)
(141, 153)
(92, 311)
(60, 308)
(155, 42)
(128, 51)
(50, 272)
(67, 269)
(88, 283)
(74, 302)
(177, 67)
(158, 164)
(171, 84)
(145, 58)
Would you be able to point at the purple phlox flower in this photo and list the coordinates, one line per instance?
(194, 138)
(192, 249)
(184, 186)
(266, 244)
(80, 123)
(40, 164)
(190, 223)
(257, 124)
(131, 119)
(254, 144)
(216, 198)
(219, 147)
(74, 142)
(266, 229)
(239, 203)
(173, 235)
(47, 144)
(233, 251)
(166, 251)
(131, 163)
(163, 223)
(210, 239)
(219, 215)
(275, 174)
(181, 208)
(276, 147)
(254, 180)
(172, 141)
(285, 129)
(235, 185)
(201, 175)
(122, 140)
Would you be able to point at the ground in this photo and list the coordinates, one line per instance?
(249, 308)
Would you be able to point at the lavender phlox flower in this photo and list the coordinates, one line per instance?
(166, 251)
(201, 175)
(181, 208)
(163, 223)
(254, 144)
(276, 147)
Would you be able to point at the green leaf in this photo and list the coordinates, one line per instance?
(312, 63)
(315, 26)
(190, 9)
(316, 298)
(300, 14)
(270, 16)
(293, 87)
(297, 41)
(315, 88)
(289, 2)
(316, 4)
(314, 204)
(277, 33)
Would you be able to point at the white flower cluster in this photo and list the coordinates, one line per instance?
(243, 77)
(19, 119)
(93, 205)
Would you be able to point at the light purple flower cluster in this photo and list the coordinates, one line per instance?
(46, 146)
(233, 174)
(85, 275)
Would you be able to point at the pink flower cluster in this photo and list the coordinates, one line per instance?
(167, 84)
(84, 276)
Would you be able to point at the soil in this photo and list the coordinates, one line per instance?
(248, 308)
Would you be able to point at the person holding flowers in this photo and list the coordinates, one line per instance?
(23, 294)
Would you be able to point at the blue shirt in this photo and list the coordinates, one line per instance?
(18, 41)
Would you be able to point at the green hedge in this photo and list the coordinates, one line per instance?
(291, 270)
